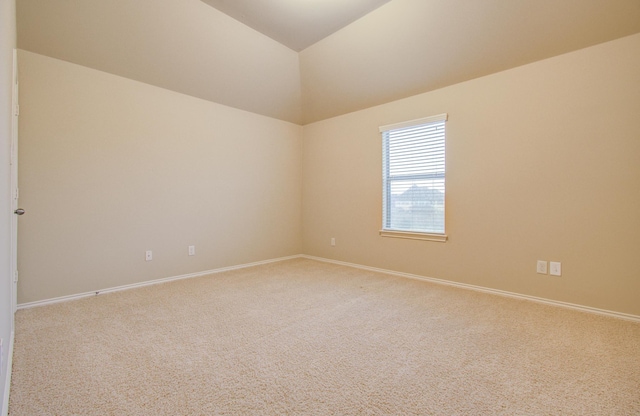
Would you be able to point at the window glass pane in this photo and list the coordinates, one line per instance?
(417, 205)
(414, 178)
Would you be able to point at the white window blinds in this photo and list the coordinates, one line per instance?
(414, 175)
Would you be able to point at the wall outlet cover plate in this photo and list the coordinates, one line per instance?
(541, 267)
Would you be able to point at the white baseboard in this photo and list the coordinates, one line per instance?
(614, 314)
(7, 381)
(619, 315)
(148, 283)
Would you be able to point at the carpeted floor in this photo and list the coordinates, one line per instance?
(302, 337)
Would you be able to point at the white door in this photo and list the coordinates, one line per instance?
(14, 186)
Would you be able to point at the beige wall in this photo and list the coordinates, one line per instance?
(110, 167)
(543, 163)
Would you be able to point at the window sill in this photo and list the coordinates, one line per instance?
(414, 236)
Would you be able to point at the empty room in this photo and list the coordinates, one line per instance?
(320, 207)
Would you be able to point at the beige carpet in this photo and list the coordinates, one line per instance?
(307, 338)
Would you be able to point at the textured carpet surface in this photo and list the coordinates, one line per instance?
(304, 337)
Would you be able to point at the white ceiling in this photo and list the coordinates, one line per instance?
(296, 24)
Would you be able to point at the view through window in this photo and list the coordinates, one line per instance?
(414, 175)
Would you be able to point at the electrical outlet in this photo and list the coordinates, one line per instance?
(555, 268)
(192, 250)
(541, 267)
(148, 255)
(333, 242)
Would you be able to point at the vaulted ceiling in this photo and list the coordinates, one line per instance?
(294, 23)
(398, 48)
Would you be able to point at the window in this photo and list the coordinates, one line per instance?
(413, 179)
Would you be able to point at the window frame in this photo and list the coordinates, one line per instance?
(386, 197)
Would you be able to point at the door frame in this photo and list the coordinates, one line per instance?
(15, 111)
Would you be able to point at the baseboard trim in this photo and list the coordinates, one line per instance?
(582, 308)
(7, 381)
(149, 283)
